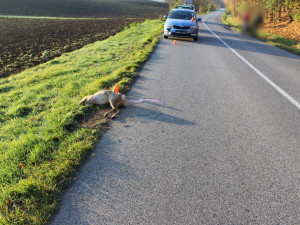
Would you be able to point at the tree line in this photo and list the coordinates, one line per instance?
(272, 9)
(208, 5)
(202, 6)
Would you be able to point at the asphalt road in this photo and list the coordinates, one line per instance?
(223, 150)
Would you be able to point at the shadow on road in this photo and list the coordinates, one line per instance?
(146, 115)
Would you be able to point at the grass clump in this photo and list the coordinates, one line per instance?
(273, 39)
(280, 41)
(38, 152)
(297, 15)
(231, 21)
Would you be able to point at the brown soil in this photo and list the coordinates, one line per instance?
(84, 8)
(25, 43)
(92, 118)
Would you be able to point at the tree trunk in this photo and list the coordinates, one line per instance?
(272, 17)
(266, 14)
(289, 12)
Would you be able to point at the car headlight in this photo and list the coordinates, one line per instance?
(193, 27)
(168, 27)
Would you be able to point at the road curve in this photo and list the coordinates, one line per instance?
(223, 150)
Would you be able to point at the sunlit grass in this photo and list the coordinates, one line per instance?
(280, 41)
(231, 21)
(37, 151)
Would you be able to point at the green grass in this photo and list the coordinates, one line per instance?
(297, 15)
(231, 21)
(273, 39)
(280, 41)
(38, 153)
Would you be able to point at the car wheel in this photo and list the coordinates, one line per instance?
(195, 38)
(166, 37)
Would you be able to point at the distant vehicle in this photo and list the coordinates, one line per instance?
(189, 1)
(181, 23)
(191, 7)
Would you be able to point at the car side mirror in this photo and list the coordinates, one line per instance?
(199, 19)
(165, 16)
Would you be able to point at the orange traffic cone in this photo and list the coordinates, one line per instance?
(192, 19)
(116, 89)
(175, 42)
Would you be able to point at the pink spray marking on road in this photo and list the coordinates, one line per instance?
(151, 100)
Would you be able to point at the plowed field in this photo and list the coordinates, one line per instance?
(25, 43)
(28, 42)
(84, 8)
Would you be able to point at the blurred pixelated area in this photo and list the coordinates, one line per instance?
(275, 16)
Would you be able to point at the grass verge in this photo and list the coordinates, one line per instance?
(231, 21)
(273, 39)
(38, 151)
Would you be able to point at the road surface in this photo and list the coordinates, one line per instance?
(224, 149)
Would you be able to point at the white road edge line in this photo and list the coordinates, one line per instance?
(282, 92)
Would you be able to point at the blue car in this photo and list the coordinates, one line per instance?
(182, 23)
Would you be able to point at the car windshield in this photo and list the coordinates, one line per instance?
(182, 7)
(181, 15)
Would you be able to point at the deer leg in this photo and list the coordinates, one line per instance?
(116, 114)
(106, 114)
